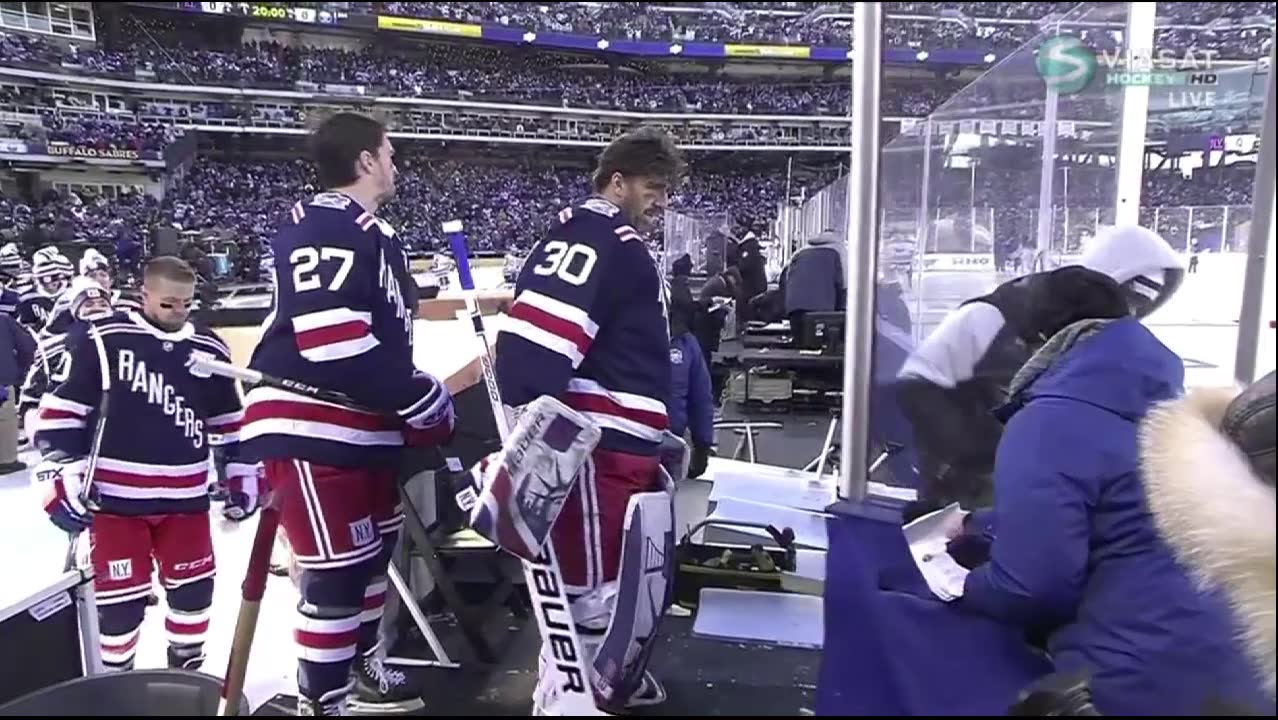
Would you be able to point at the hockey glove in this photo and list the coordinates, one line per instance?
(700, 459)
(245, 488)
(64, 486)
(431, 420)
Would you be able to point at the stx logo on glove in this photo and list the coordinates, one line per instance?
(48, 473)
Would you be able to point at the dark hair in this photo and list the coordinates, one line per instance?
(336, 145)
(646, 152)
(168, 267)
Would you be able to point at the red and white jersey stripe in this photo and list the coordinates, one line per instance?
(334, 334)
(58, 413)
(276, 412)
(226, 427)
(635, 415)
(552, 324)
(130, 480)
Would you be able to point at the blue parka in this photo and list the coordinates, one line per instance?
(1076, 557)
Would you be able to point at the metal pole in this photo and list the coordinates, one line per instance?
(971, 219)
(925, 225)
(862, 235)
(1046, 174)
(1250, 320)
(1139, 38)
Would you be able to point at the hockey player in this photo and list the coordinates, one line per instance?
(147, 500)
(84, 300)
(95, 266)
(588, 326)
(343, 321)
(10, 274)
(51, 272)
(954, 379)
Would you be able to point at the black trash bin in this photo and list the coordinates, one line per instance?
(144, 693)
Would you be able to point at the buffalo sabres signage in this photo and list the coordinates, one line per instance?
(82, 151)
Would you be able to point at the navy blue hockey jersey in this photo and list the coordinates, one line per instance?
(48, 358)
(588, 325)
(343, 321)
(34, 307)
(154, 457)
(9, 302)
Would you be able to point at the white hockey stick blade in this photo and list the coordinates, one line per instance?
(204, 364)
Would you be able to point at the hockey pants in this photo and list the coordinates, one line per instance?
(123, 550)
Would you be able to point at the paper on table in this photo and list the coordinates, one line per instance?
(927, 537)
(785, 486)
(809, 528)
(797, 491)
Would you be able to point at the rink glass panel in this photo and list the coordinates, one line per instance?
(962, 191)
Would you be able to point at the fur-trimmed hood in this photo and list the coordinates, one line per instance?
(1216, 514)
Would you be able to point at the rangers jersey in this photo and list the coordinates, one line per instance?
(343, 321)
(34, 307)
(588, 325)
(48, 359)
(9, 302)
(154, 457)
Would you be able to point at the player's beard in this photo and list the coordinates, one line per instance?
(638, 218)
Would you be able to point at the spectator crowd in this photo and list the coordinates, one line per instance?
(507, 206)
(944, 25)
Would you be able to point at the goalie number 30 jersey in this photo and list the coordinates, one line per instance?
(588, 325)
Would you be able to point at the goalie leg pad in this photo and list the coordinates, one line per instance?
(644, 589)
(526, 483)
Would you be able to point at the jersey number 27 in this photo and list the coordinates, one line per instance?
(306, 260)
(570, 263)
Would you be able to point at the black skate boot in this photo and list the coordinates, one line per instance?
(186, 657)
(332, 704)
(380, 690)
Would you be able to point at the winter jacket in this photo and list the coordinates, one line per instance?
(1216, 509)
(691, 403)
(815, 276)
(1076, 556)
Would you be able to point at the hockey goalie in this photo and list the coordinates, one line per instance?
(586, 347)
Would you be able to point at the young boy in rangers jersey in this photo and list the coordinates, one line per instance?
(343, 321)
(588, 326)
(147, 499)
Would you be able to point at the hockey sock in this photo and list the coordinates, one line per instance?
(187, 622)
(119, 624)
(375, 595)
(328, 629)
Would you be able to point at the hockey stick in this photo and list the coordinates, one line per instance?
(251, 593)
(545, 581)
(95, 448)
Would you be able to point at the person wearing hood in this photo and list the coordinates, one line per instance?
(815, 279)
(1075, 558)
(1208, 460)
(962, 369)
